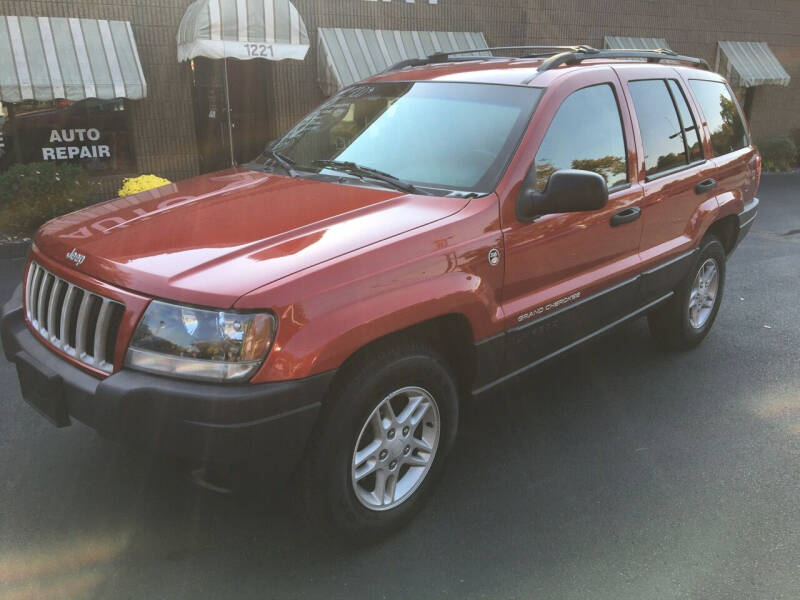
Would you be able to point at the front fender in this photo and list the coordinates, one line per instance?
(331, 311)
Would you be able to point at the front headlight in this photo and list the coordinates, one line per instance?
(196, 343)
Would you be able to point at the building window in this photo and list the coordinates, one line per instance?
(94, 134)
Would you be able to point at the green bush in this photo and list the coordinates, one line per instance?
(795, 135)
(778, 154)
(31, 194)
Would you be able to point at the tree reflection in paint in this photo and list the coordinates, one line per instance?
(586, 133)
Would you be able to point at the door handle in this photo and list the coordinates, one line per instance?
(705, 186)
(626, 216)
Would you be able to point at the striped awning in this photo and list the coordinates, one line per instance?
(45, 58)
(748, 64)
(243, 29)
(617, 42)
(346, 56)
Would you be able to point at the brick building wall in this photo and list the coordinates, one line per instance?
(163, 124)
(691, 28)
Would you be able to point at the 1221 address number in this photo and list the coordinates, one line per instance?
(260, 50)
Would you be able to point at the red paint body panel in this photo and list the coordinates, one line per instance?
(328, 312)
(557, 255)
(212, 239)
(344, 265)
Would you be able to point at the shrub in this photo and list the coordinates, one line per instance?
(33, 193)
(143, 183)
(778, 154)
(795, 134)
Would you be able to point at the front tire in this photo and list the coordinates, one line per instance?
(381, 442)
(685, 320)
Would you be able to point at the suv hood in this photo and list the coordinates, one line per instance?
(211, 239)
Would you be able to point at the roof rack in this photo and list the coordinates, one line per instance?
(575, 57)
(444, 57)
(557, 56)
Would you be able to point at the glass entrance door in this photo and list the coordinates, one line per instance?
(247, 87)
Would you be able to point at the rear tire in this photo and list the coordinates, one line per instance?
(685, 320)
(381, 442)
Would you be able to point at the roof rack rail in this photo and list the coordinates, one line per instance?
(575, 57)
(453, 56)
(558, 55)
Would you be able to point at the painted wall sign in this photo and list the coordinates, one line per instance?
(93, 134)
(66, 150)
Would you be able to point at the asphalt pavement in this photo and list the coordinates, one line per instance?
(619, 472)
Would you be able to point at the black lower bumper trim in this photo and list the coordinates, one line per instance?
(746, 219)
(268, 422)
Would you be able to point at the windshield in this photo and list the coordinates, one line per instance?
(455, 136)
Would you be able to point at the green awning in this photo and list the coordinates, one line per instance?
(635, 43)
(748, 64)
(243, 29)
(43, 58)
(346, 56)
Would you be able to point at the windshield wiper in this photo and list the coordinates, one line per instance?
(362, 171)
(286, 163)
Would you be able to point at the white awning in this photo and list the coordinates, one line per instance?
(45, 58)
(243, 29)
(748, 64)
(346, 56)
(617, 42)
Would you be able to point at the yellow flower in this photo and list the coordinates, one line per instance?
(143, 183)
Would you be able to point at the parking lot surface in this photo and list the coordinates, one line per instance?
(618, 472)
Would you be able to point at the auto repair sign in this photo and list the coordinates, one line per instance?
(71, 144)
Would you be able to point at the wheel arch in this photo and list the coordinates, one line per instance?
(726, 229)
(449, 334)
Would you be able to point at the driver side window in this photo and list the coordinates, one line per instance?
(586, 134)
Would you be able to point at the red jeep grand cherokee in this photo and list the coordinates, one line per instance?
(425, 235)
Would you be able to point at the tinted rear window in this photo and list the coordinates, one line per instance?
(727, 129)
(662, 134)
(690, 129)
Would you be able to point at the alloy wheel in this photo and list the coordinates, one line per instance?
(396, 448)
(703, 294)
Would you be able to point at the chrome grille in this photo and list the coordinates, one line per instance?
(80, 323)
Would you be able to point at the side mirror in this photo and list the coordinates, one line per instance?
(568, 190)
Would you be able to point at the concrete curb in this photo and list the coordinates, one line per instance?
(14, 250)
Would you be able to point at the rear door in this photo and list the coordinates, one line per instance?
(570, 274)
(729, 143)
(678, 180)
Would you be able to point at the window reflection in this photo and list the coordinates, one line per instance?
(586, 134)
(690, 128)
(725, 123)
(450, 135)
(662, 134)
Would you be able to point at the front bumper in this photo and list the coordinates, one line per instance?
(268, 423)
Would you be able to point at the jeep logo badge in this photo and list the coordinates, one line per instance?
(76, 257)
(494, 257)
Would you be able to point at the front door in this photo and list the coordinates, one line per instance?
(570, 274)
